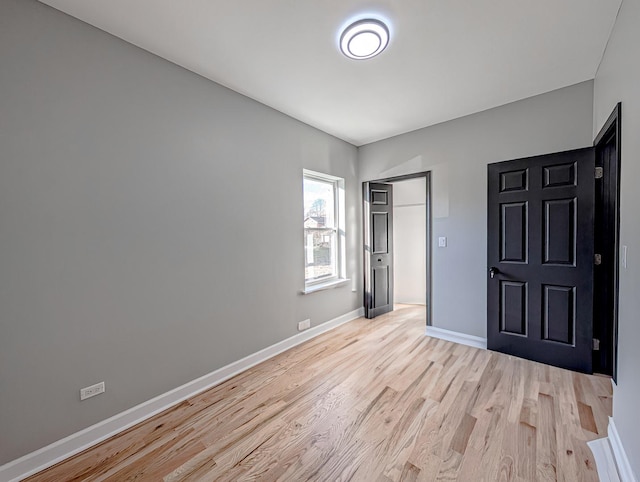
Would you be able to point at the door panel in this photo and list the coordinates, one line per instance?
(380, 286)
(559, 231)
(513, 309)
(378, 227)
(513, 180)
(540, 244)
(560, 175)
(379, 196)
(558, 308)
(513, 223)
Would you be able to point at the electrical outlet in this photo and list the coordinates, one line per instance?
(304, 325)
(92, 391)
(442, 242)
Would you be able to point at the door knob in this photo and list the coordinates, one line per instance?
(493, 271)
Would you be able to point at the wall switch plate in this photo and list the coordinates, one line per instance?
(304, 325)
(92, 391)
(442, 242)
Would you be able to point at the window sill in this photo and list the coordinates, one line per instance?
(325, 286)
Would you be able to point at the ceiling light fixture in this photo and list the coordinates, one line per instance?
(364, 39)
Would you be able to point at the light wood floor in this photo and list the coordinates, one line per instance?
(369, 401)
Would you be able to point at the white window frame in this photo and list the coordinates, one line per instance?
(339, 279)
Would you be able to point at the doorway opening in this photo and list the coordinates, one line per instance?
(397, 243)
(553, 255)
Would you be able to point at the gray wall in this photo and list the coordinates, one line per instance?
(618, 80)
(457, 153)
(150, 219)
(151, 225)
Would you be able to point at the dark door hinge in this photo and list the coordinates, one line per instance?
(599, 172)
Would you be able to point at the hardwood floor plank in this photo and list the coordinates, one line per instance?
(587, 421)
(527, 447)
(546, 442)
(372, 400)
(409, 473)
(461, 436)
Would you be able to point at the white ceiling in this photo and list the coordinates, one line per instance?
(446, 58)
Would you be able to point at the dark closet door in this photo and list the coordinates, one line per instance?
(378, 248)
(541, 258)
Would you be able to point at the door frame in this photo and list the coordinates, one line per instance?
(612, 128)
(428, 231)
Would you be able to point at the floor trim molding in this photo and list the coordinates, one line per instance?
(605, 461)
(34, 462)
(611, 459)
(619, 454)
(457, 337)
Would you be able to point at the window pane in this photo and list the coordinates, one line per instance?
(320, 249)
(319, 203)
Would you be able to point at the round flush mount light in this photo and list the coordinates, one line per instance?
(364, 39)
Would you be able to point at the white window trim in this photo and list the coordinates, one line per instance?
(325, 285)
(340, 278)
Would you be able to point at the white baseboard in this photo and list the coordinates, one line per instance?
(417, 301)
(619, 454)
(457, 337)
(605, 461)
(34, 462)
(611, 458)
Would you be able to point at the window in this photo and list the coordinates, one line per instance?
(323, 230)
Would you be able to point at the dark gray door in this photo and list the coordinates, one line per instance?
(541, 258)
(378, 248)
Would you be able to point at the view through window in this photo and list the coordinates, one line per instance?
(321, 236)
